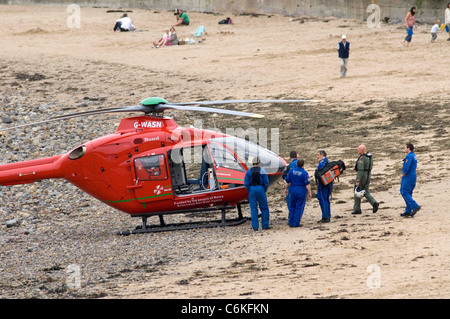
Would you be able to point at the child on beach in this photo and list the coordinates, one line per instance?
(434, 30)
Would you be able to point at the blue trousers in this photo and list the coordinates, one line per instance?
(297, 203)
(256, 196)
(288, 200)
(406, 190)
(408, 37)
(323, 195)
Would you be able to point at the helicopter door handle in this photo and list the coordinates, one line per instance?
(134, 186)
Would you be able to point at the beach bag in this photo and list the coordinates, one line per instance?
(226, 21)
(410, 32)
(330, 172)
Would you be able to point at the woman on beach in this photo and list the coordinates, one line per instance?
(173, 39)
(410, 22)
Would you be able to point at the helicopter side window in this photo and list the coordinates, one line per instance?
(150, 168)
(224, 158)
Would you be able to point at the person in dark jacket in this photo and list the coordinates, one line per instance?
(324, 191)
(257, 182)
(343, 48)
(294, 157)
(298, 185)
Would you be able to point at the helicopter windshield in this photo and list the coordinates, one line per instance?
(246, 151)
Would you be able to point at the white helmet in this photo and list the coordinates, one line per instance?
(359, 192)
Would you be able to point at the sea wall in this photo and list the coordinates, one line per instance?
(428, 10)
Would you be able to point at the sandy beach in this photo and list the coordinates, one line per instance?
(391, 95)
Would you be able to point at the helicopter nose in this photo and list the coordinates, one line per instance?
(277, 168)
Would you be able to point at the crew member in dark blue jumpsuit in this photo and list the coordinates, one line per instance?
(324, 191)
(408, 183)
(293, 156)
(257, 182)
(298, 187)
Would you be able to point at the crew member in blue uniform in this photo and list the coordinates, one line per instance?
(324, 191)
(294, 157)
(257, 182)
(298, 187)
(408, 183)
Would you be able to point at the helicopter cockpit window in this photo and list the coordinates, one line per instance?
(246, 151)
(224, 158)
(150, 168)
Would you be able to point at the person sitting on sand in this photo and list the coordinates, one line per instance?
(124, 24)
(182, 17)
(163, 40)
(173, 38)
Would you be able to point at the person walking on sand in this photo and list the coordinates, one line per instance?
(447, 20)
(363, 168)
(343, 49)
(436, 27)
(410, 22)
(256, 182)
(408, 183)
(324, 191)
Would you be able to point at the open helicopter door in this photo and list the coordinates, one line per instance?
(152, 181)
(191, 170)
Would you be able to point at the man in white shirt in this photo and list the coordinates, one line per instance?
(447, 20)
(124, 24)
(343, 49)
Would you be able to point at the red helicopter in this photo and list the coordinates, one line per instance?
(152, 167)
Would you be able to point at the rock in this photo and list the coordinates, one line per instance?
(12, 223)
(6, 119)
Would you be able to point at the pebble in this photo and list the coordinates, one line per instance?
(6, 119)
(12, 223)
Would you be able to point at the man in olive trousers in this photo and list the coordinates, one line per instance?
(363, 168)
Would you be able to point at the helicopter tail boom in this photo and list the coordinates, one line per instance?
(30, 171)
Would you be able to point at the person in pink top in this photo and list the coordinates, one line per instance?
(410, 22)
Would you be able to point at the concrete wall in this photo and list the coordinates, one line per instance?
(354, 9)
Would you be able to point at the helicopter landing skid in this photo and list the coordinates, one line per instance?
(163, 227)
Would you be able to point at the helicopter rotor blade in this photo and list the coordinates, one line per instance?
(189, 106)
(132, 108)
(25, 125)
(163, 107)
(242, 101)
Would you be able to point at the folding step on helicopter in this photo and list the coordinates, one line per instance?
(152, 167)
